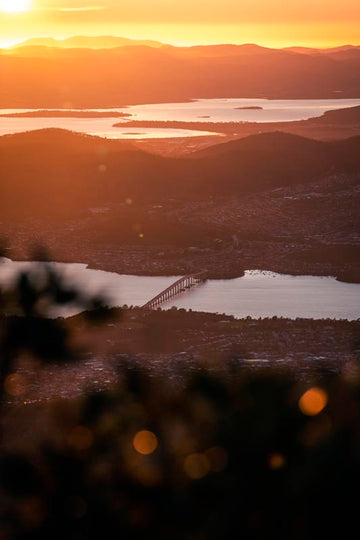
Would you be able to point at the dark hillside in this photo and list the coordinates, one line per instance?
(350, 115)
(59, 171)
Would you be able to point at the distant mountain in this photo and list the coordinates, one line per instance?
(302, 50)
(62, 172)
(227, 49)
(346, 52)
(329, 50)
(87, 42)
(49, 77)
(220, 51)
(342, 48)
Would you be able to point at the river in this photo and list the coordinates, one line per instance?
(257, 294)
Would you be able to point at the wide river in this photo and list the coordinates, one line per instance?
(257, 294)
(201, 110)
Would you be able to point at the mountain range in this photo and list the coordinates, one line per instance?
(108, 42)
(94, 42)
(60, 76)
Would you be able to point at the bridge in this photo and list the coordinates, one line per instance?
(176, 288)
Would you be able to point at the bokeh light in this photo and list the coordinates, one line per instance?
(276, 461)
(313, 401)
(15, 385)
(196, 466)
(145, 442)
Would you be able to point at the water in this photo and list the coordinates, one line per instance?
(117, 289)
(101, 127)
(257, 294)
(226, 110)
(265, 294)
(202, 110)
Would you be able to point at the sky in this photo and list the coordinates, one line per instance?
(275, 23)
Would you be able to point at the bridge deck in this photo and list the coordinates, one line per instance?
(176, 288)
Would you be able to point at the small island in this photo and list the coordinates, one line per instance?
(249, 108)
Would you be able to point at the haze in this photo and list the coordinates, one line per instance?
(320, 23)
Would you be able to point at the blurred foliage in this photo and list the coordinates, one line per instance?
(215, 459)
(27, 325)
(247, 456)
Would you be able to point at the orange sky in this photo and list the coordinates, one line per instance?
(267, 22)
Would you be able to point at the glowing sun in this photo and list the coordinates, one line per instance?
(15, 6)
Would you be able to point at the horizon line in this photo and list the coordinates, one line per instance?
(8, 44)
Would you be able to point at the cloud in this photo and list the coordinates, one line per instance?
(85, 8)
(207, 11)
(69, 8)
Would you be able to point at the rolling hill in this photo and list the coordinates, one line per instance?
(57, 171)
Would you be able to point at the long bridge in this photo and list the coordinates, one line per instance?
(176, 288)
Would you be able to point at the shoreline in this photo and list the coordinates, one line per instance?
(153, 101)
(81, 113)
(350, 277)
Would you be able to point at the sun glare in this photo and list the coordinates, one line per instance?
(15, 6)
